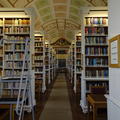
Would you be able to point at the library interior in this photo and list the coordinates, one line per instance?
(59, 60)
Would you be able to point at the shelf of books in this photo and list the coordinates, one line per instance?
(47, 63)
(1, 44)
(71, 63)
(78, 66)
(68, 64)
(39, 62)
(54, 63)
(15, 53)
(95, 51)
(51, 64)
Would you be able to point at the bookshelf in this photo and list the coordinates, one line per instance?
(71, 63)
(12, 53)
(95, 51)
(47, 63)
(68, 63)
(53, 64)
(39, 62)
(1, 44)
(78, 65)
(16, 40)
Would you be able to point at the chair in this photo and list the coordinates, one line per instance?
(97, 91)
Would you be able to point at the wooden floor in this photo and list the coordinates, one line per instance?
(58, 105)
(76, 111)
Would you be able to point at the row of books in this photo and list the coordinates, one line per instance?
(11, 73)
(17, 21)
(8, 92)
(46, 49)
(47, 53)
(96, 21)
(16, 56)
(1, 30)
(78, 77)
(38, 57)
(96, 61)
(96, 50)
(8, 47)
(78, 49)
(78, 62)
(46, 67)
(96, 73)
(38, 76)
(1, 63)
(39, 44)
(78, 56)
(20, 38)
(78, 44)
(12, 85)
(1, 52)
(39, 64)
(96, 40)
(39, 39)
(39, 49)
(17, 29)
(78, 69)
(13, 65)
(38, 69)
(20, 47)
(90, 84)
(96, 31)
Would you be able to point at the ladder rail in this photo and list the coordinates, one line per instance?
(21, 82)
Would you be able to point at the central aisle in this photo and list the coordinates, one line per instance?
(58, 104)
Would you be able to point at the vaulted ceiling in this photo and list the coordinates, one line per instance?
(58, 18)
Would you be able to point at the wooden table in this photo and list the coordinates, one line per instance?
(96, 101)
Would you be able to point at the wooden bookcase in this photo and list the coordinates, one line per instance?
(54, 63)
(68, 63)
(1, 44)
(95, 51)
(15, 28)
(39, 62)
(77, 65)
(71, 63)
(47, 63)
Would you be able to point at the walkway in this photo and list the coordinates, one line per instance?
(58, 105)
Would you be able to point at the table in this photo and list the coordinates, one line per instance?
(96, 101)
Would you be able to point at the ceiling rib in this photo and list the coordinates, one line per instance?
(1, 5)
(12, 4)
(68, 8)
(91, 2)
(105, 2)
(28, 2)
(53, 12)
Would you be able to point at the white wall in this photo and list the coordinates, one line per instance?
(114, 73)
